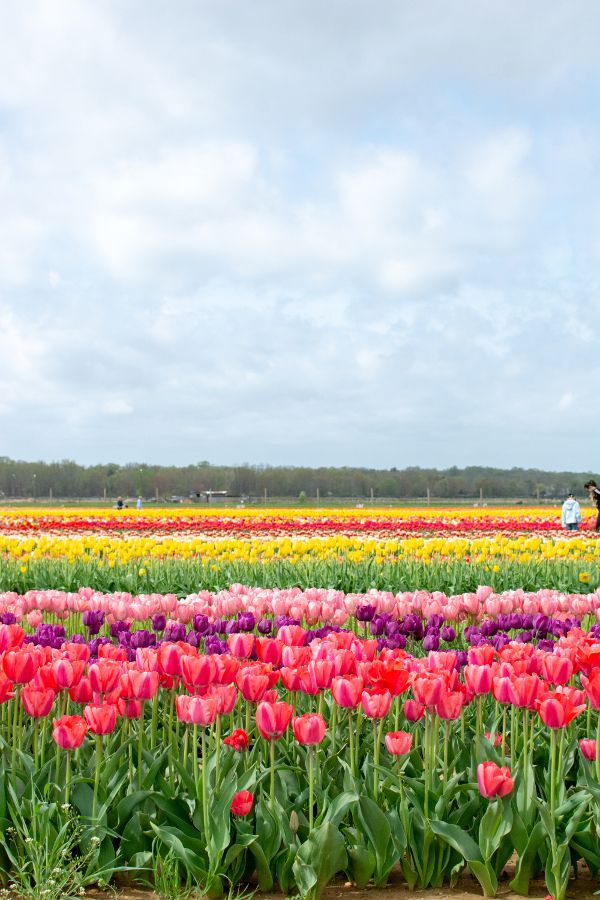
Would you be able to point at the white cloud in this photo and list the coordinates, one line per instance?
(386, 256)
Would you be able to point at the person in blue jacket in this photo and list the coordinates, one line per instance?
(571, 513)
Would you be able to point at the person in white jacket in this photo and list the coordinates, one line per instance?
(571, 513)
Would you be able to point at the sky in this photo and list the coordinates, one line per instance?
(300, 232)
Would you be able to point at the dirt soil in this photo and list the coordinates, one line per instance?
(582, 888)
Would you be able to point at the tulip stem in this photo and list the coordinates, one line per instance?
(153, 734)
(333, 727)
(68, 778)
(446, 742)
(204, 789)
(195, 761)
(217, 752)
(377, 734)
(140, 758)
(552, 771)
(97, 775)
(426, 750)
(351, 740)
(36, 733)
(272, 757)
(311, 787)
(15, 734)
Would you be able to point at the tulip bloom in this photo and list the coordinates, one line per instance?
(413, 711)
(237, 740)
(557, 710)
(241, 803)
(272, 719)
(398, 742)
(376, 703)
(588, 748)
(478, 678)
(556, 669)
(20, 665)
(136, 685)
(309, 729)
(37, 703)
(493, 780)
(69, 731)
(591, 687)
(101, 719)
(347, 690)
(252, 683)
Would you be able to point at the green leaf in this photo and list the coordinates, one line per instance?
(361, 865)
(527, 863)
(376, 827)
(319, 859)
(265, 879)
(337, 809)
(457, 838)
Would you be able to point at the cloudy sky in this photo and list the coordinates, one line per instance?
(314, 232)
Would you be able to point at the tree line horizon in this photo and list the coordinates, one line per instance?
(67, 479)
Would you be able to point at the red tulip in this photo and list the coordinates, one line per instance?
(309, 729)
(76, 651)
(37, 703)
(478, 678)
(588, 748)
(129, 709)
(268, 650)
(556, 709)
(227, 668)
(321, 673)
(69, 731)
(238, 740)
(347, 690)
(295, 656)
(11, 637)
(104, 675)
(82, 692)
(241, 645)
(272, 719)
(20, 665)
(496, 739)
(67, 672)
(493, 780)
(556, 669)
(136, 685)
(109, 651)
(376, 703)
(101, 719)
(225, 696)
(252, 683)
(398, 742)
(591, 687)
(6, 688)
(501, 689)
(169, 659)
(428, 688)
(450, 705)
(291, 635)
(413, 711)
(241, 803)
(524, 690)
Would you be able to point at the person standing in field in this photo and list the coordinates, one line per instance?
(571, 513)
(594, 495)
(139, 503)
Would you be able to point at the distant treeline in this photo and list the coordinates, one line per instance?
(67, 479)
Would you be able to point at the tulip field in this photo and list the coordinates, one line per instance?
(213, 702)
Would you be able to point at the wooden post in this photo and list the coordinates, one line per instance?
(480, 495)
(156, 494)
(371, 495)
(51, 493)
(428, 496)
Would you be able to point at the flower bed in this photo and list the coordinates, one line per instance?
(265, 747)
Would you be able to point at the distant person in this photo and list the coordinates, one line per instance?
(571, 513)
(594, 495)
(139, 503)
(119, 503)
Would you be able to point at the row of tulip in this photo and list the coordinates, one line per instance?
(314, 758)
(276, 524)
(314, 606)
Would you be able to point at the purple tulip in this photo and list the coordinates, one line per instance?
(159, 622)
